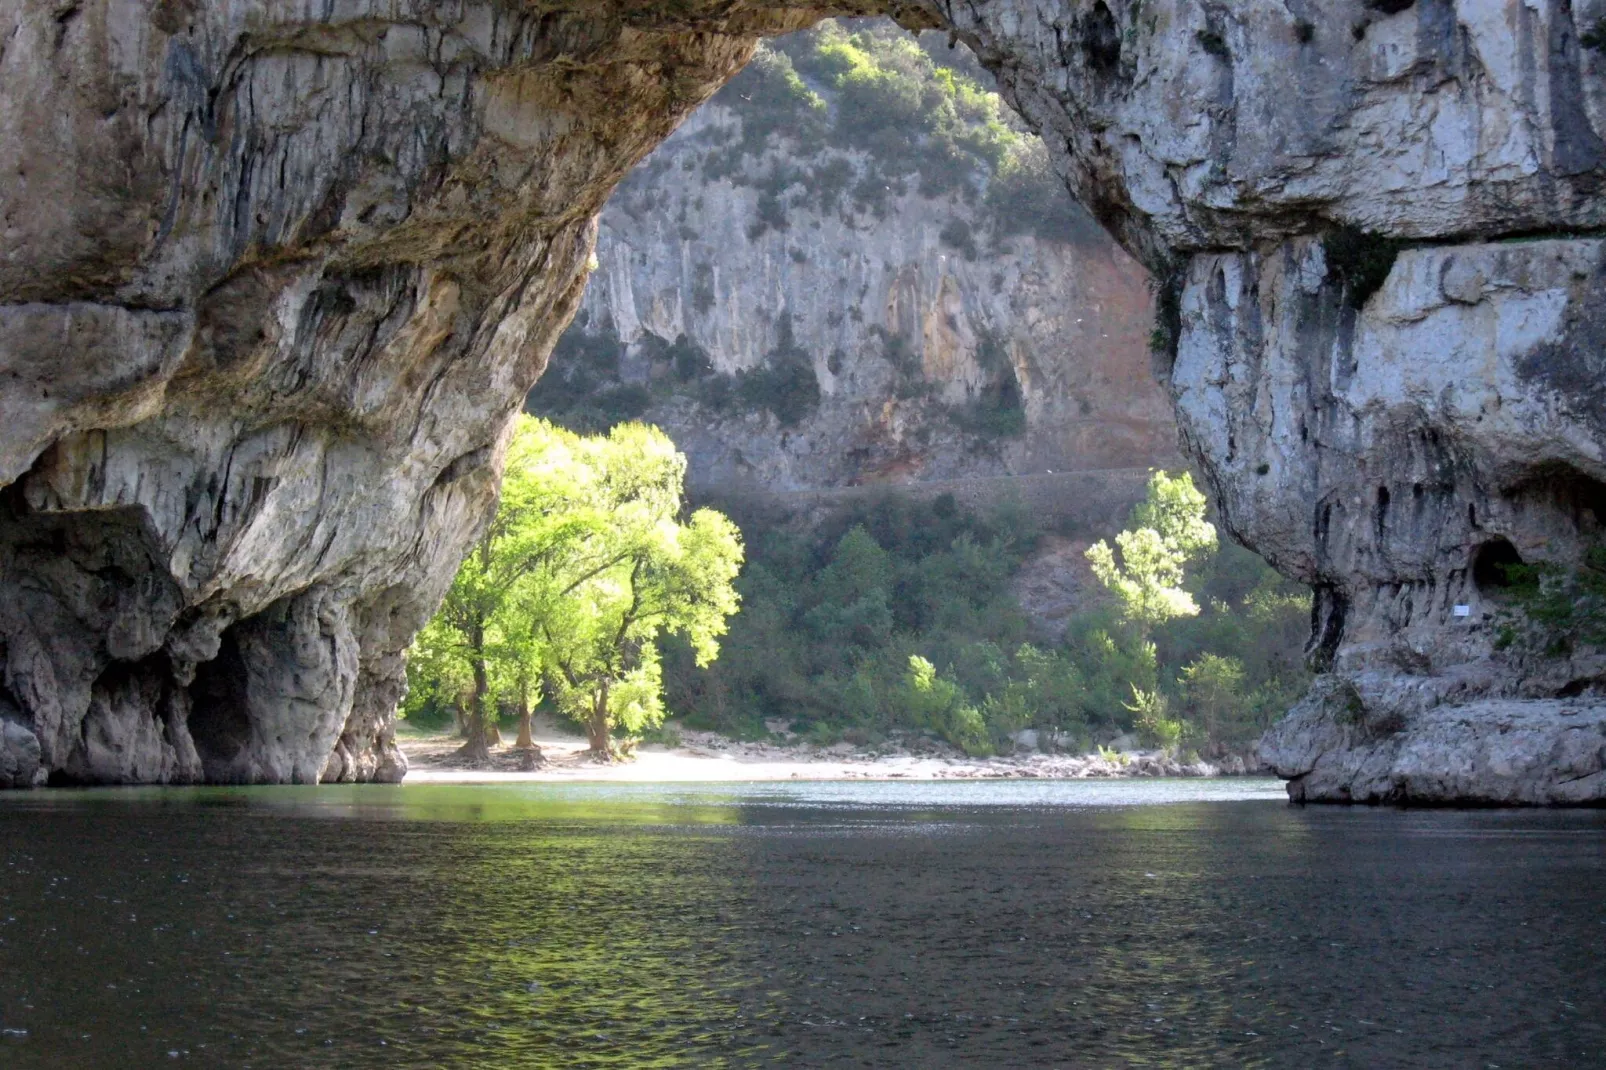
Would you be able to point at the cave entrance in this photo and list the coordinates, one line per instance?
(1491, 566)
(1576, 498)
(219, 722)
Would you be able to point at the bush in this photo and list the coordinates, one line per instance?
(785, 383)
(836, 613)
(1151, 717)
(1027, 197)
(774, 101)
(1555, 609)
(1361, 262)
(997, 412)
(957, 235)
(913, 115)
(689, 360)
(581, 389)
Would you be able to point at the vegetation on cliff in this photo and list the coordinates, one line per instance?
(853, 112)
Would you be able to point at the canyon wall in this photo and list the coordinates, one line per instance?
(1376, 222)
(934, 342)
(273, 279)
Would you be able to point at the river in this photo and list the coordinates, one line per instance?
(997, 924)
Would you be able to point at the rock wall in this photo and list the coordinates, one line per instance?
(906, 332)
(1384, 290)
(273, 279)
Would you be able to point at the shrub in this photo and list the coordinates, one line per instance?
(909, 113)
(775, 101)
(581, 389)
(689, 359)
(1025, 196)
(957, 235)
(702, 288)
(997, 412)
(785, 383)
(1555, 609)
(834, 611)
(1152, 719)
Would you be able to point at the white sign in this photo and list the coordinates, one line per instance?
(1463, 611)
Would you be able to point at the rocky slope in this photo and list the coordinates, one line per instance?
(273, 278)
(935, 336)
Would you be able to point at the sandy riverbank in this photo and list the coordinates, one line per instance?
(704, 756)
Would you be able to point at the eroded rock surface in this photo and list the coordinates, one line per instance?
(1385, 299)
(907, 337)
(272, 280)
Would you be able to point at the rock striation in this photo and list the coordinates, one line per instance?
(942, 347)
(273, 277)
(1377, 226)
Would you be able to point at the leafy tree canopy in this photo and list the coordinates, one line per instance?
(586, 564)
(1169, 530)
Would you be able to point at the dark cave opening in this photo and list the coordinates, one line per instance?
(1491, 562)
(219, 723)
(1579, 497)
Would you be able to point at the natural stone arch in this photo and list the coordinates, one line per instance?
(276, 283)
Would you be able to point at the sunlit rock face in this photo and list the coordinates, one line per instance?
(273, 278)
(906, 334)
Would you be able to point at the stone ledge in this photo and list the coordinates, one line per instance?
(1495, 752)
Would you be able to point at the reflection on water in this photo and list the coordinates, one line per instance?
(852, 924)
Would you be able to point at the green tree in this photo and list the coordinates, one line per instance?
(601, 642)
(625, 570)
(584, 564)
(1152, 718)
(1214, 688)
(472, 642)
(1169, 530)
(936, 702)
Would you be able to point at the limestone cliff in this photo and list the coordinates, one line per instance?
(273, 277)
(1385, 298)
(939, 336)
(273, 280)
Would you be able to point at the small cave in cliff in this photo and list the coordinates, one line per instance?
(1491, 564)
(219, 722)
(1101, 40)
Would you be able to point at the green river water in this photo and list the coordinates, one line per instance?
(860, 924)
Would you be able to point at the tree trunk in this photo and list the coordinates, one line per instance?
(597, 726)
(525, 741)
(477, 750)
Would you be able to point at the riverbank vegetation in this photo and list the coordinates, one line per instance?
(595, 594)
(897, 617)
(587, 564)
